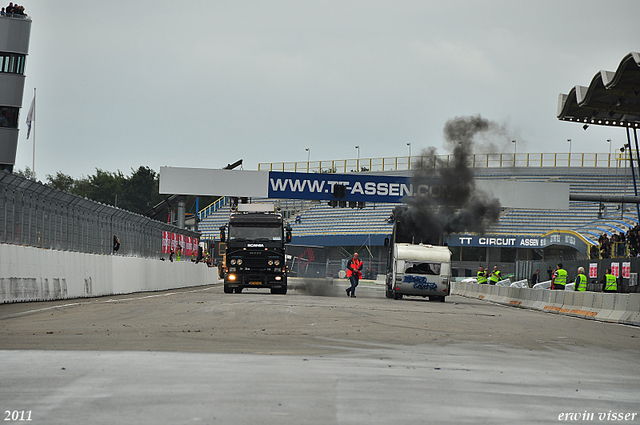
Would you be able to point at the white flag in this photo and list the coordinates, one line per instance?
(30, 115)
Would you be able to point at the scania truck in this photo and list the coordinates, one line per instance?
(255, 249)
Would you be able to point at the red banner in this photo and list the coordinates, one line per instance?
(615, 269)
(170, 242)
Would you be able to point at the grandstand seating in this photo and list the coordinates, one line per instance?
(319, 219)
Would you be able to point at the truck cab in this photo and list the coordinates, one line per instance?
(255, 249)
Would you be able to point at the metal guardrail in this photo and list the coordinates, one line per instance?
(33, 214)
(404, 163)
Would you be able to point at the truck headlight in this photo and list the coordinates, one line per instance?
(233, 262)
(240, 261)
(231, 277)
(270, 262)
(277, 262)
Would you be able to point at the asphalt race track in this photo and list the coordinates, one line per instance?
(313, 356)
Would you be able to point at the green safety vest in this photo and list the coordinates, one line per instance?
(581, 283)
(482, 278)
(495, 276)
(611, 283)
(561, 277)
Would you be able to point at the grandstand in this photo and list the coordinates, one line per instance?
(344, 230)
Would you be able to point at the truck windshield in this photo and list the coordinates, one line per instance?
(255, 233)
(422, 268)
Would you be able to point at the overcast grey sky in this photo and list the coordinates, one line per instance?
(204, 83)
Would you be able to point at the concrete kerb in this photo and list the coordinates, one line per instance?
(632, 315)
(555, 303)
(615, 308)
(606, 310)
(540, 298)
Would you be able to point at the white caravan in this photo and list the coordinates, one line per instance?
(419, 270)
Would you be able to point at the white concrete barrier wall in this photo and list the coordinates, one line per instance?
(33, 274)
(616, 308)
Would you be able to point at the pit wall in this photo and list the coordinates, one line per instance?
(615, 308)
(34, 274)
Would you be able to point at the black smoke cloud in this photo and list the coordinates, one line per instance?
(461, 207)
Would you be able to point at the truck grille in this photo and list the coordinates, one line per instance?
(251, 262)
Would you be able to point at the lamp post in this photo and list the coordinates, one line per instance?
(409, 159)
(569, 159)
(358, 161)
(609, 157)
(515, 148)
(308, 156)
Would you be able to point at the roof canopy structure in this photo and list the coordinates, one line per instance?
(612, 98)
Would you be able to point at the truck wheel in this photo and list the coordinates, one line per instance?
(228, 289)
(279, 291)
(388, 293)
(397, 296)
(238, 290)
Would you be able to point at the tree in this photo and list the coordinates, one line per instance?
(140, 191)
(102, 187)
(28, 173)
(61, 181)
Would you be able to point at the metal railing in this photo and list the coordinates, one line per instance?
(33, 214)
(502, 160)
(213, 207)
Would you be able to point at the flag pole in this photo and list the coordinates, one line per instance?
(33, 165)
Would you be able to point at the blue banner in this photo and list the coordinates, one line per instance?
(347, 187)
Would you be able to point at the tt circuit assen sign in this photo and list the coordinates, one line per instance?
(557, 238)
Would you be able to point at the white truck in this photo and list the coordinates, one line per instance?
(418, 270)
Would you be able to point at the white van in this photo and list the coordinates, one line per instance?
(419, 270)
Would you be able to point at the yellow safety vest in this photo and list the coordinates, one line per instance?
(581, 283)
(561, 277)
(611, 283)
(482, 277)
(495, 276)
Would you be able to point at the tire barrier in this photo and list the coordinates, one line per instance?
(613, 308)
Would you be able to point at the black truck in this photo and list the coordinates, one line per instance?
(255, 249)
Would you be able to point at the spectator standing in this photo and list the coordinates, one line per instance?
(535, 278)
(116, 244)
(354, 265)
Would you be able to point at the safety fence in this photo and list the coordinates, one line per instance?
(302, 267)
(606, 307)
(33, 214)
(489, 160)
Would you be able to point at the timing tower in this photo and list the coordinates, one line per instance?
(14, 46)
